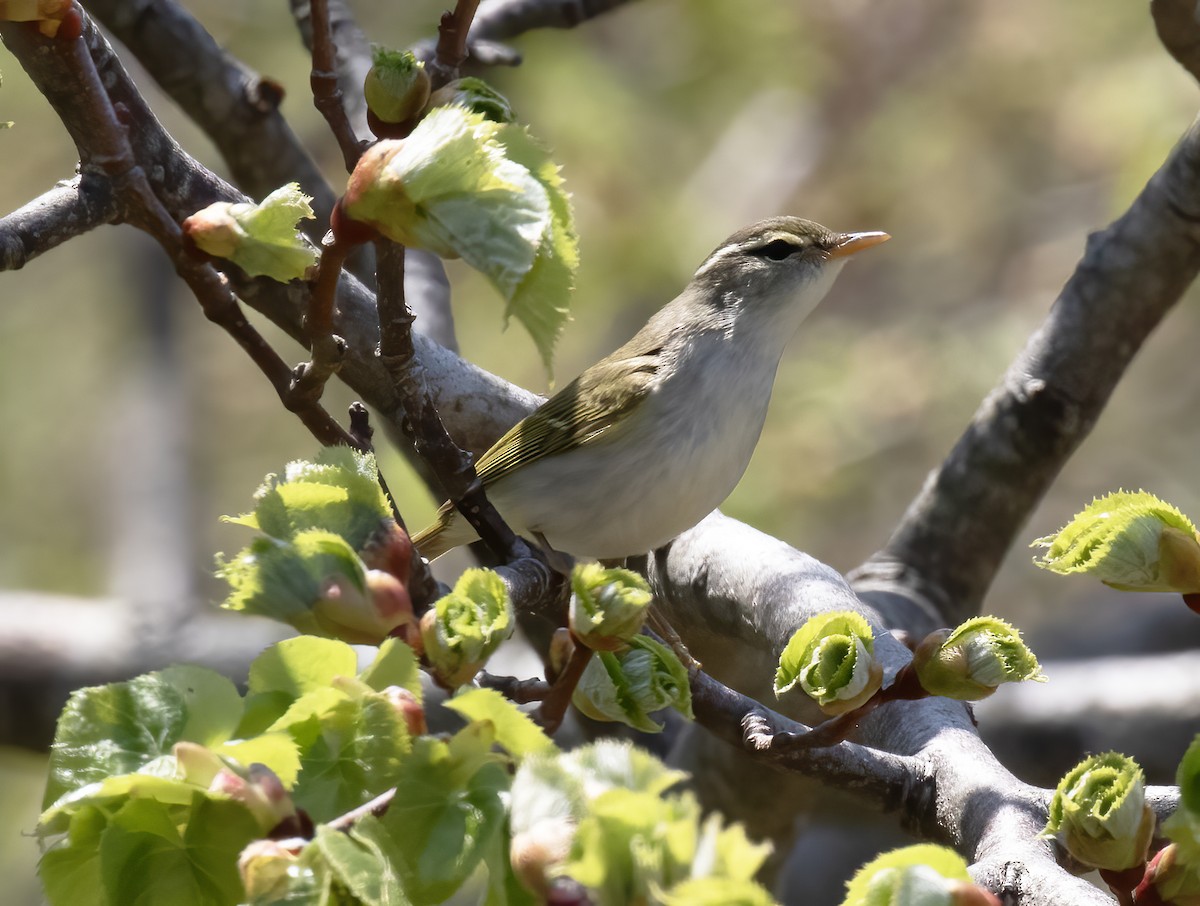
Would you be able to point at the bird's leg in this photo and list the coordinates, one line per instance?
(558, 561)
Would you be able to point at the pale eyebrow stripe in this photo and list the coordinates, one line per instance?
(741, 247)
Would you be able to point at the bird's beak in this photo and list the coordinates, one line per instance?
(850, 243)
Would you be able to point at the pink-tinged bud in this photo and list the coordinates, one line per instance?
(388, 549)
(260, 790)
(265, 867)
(198, 764)
(408, 708)
(534, 852)
(972, 895)
(562, 646)
(363, 617)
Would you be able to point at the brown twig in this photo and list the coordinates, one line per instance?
(451, 51)
(376, 807)
(327, 94)
(554, 706)
(328, 349)
(452, 466)
(107, 149)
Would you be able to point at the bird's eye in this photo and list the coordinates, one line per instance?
(776, 249)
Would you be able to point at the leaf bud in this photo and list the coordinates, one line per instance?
(629, 685)
(832, 658)
(266, 867)
(921, 875)
(970, 662)
(477, 96)
(462, 629)
(537, 850)
(259, 789)
(1129, 541)
(608, 606)
(1099, 813)
(409, 708)
(396, 87)
(363, 616)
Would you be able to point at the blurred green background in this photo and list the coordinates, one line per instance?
(988, 139)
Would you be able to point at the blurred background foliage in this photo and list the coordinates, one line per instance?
(987, 138)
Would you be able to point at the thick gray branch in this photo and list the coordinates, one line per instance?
(70, 209)
(950, 542)
(1179, 30)
(499, 20)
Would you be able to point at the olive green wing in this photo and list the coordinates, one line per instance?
(585, 409)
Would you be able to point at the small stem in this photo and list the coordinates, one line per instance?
(521, 691)
(554, 706)
(451, 50)
(453, 467)
(328, 349)
(327, 94)
(376, 807)
(1123, 883)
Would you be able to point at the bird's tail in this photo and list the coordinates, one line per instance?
(448, 531)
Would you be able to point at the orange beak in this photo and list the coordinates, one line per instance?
(850, 243)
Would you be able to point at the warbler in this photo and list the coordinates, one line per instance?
(651, 439)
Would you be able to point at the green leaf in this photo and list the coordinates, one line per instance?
(716, 892)
(363, 861)
(924, 872)
(111, 792)
(396, 664)
(145, 861)
(277, 751)
(514, 729)
(463, 186)
(261, 239)
(630, 685)
(832, 658)
(1130, 541)
(356, 753)
(1183, 827)
(447, 808)
(475, 95)
(213, 704)
(301, 665)
(339, 493)
(113, 729)
(70, 870)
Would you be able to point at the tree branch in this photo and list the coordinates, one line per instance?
(500, 20)
(1175, 22)
(73, 207)
(950, 542)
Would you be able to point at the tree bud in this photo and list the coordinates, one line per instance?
(970, 662)
(608, 606)
(832, 658)
(462, 629)
(397, 86)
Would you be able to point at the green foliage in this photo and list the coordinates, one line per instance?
(631, 684)
(463, 628)
(1130, 541)
(396, 87)
(608, 606)
(1099, 813)
(832, 658)
(474, 95)
(464, 186)
(261, 239)
(326, 524)
(972, 661)
(921, 875)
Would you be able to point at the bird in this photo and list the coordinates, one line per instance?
(652, 438)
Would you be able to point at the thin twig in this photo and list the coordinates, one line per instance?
(451, 50)
(376, 807)
(521, 691)
(453, 467)
(327, 93)
(554, 706)
(107, 149)
(328, 349)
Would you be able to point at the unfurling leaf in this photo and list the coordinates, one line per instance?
(463, 186)
(462, 629)
(631, 684)
(608, 606)
(475, 95)
(921, 875)
(972, 661)
(832, 658)
(1130, 541)
(1099, 813)
(261, 239)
